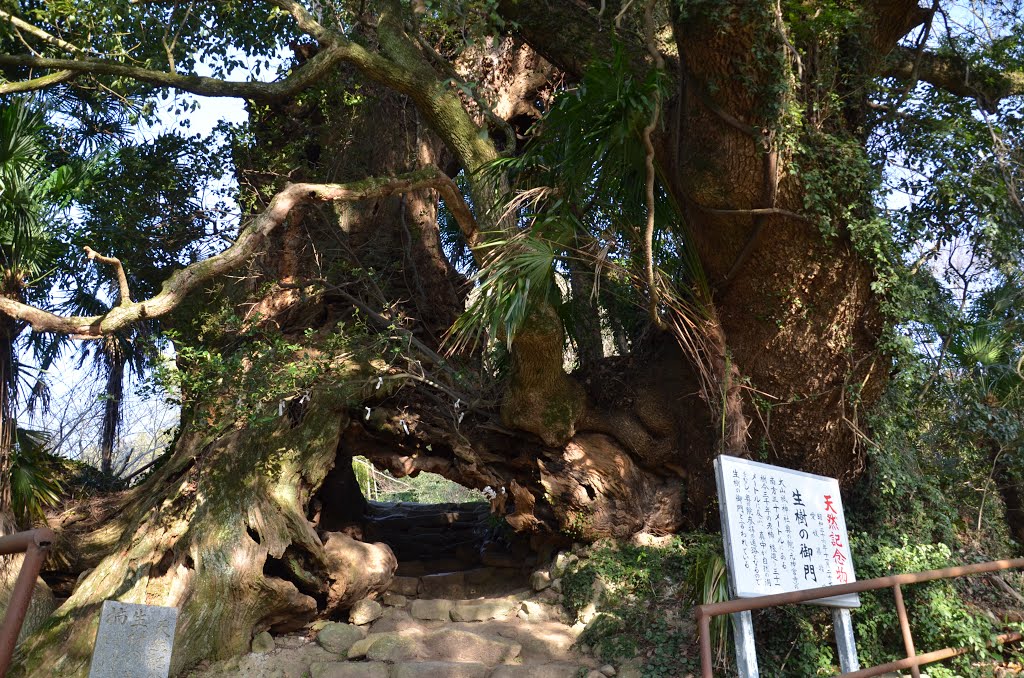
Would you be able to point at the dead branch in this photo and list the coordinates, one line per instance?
(122, 278)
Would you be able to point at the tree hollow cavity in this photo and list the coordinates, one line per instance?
(449, 540)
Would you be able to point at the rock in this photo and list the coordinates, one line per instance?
(431, 609)
(290, 642)
(360, 647)
(469, 611)
(535, 611)
(347, 670)
(442, 645)
(563, 561)
(595, 674)
(607, 670)
(365, 611)
(394, 599)
(406, 586)
(356, 570)
(540, 580)
(556, 586)
(444, 585)
(553, 670)
(522, 615)
(263, 643)
(549, 596)
(338, 638)
(440, 670)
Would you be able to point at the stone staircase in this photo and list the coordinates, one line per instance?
(447, 550)
(511, 636)
(460, 606)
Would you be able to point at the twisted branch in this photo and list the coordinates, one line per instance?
(182, 282)
(122, 279)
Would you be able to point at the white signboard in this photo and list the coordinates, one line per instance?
(784, 530)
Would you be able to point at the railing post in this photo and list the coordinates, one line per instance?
(704, 621)
(35, 544)
(908, 639)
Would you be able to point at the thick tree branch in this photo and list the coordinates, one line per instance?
(893, 19)
(308, 24)
(953, 75)
(301, 78)
(23, 25)
(122, 278)
(570, 34)
(33, 84)
(186, 280)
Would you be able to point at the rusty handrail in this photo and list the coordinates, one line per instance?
(34, 544)
(704, 613)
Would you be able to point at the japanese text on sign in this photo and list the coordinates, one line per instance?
(784, 530)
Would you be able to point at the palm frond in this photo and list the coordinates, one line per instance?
(518, 272)
(34, 482)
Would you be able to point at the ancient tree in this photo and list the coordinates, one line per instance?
(660, 216)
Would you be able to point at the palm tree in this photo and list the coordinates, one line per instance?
(33, 196)
(113, 356)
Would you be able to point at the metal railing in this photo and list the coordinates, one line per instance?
(705, 613)
(34, 544)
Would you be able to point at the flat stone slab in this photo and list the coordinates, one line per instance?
(439, 610)
(440, 670)
(446, 585)
(443, 645)
(348, 670)
(137, 636)
(468, 611)
(558, 670)
(405, 586)
(394, 599)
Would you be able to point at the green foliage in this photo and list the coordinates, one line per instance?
(515, 278)
(578, 204)
(642, 610)
(270, 372)
(938, 613)
(425, 488)
(35, 478)
(707, 582)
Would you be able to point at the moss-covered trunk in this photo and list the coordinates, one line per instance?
(199, 534)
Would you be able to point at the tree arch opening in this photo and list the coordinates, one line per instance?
(451, 538)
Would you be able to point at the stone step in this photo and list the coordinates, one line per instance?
(444, 645)
(540, 642)
(435, 669)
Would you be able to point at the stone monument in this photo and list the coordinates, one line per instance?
(133, 641)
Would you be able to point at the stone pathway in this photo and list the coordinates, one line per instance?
(522, 635)
(460, 606)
